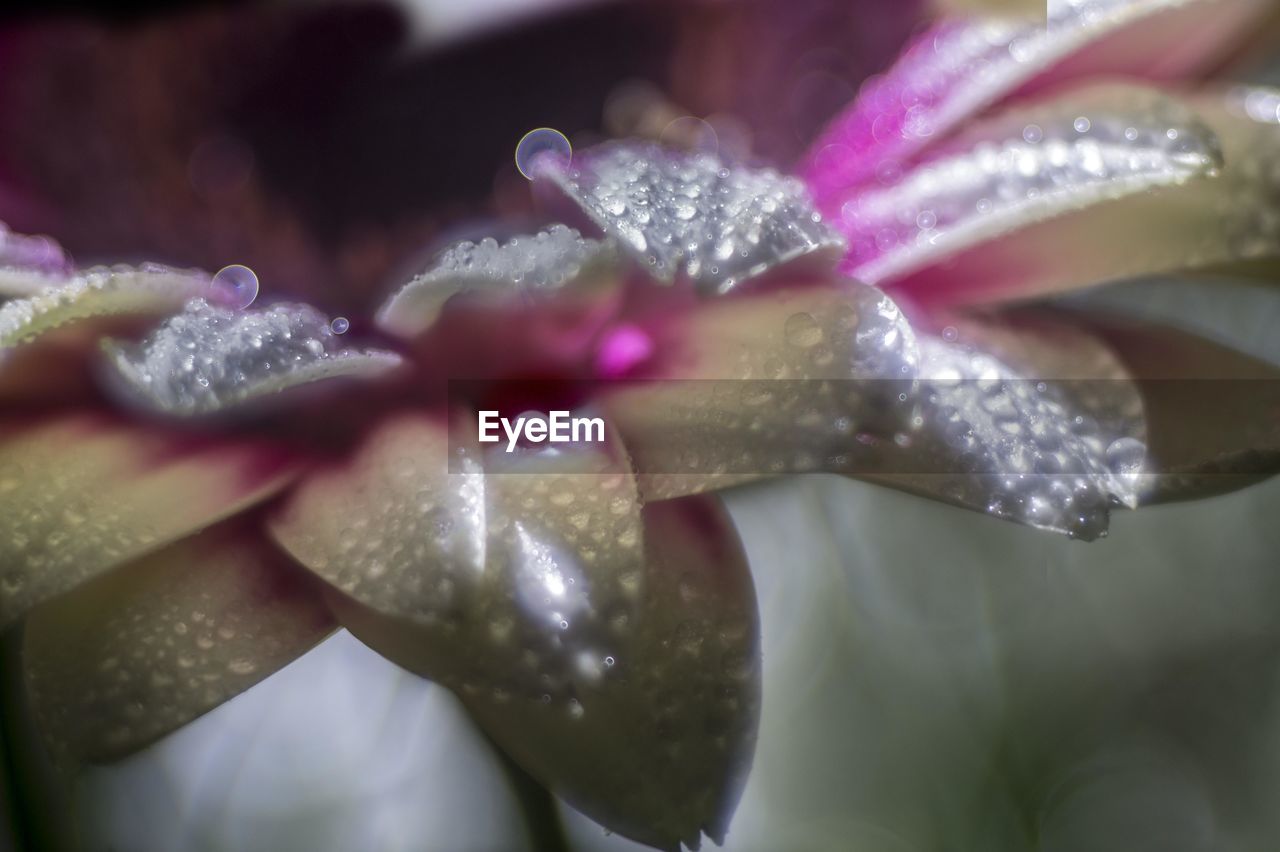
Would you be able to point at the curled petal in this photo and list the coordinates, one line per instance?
(767, 384)
(613, 652)
(1190, 217)
(80, 495)
(961, 67)
(129, 657)
(208, 358)
(685, 212)
(101, 292)
(524, 268)
(1023, 167)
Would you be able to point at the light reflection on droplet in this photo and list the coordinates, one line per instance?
(542, 148)
(235, 286)
(691, 133)
(340, 325)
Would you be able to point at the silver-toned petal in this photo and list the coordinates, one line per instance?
(208, 358)
(148, 289)
(686, 212)
(524, 267)
(1024, 167)
(1017, 446)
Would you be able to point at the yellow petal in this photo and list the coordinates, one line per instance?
(129, 657)
(81, 494)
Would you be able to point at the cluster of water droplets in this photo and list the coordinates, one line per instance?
(687, 212)
(1018, 447)
(208, 358)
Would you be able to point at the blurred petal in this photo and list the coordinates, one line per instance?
(81, 494)
(97, 293)
(29, 264)
(128, 657)
(1215, 217)
(962, 67)
(556, 261)
(208, 358)
(612, 653)
(687, 213)
(766, 384)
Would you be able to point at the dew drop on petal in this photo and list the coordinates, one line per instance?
(235, 286)
(541, 148)
(340, 325)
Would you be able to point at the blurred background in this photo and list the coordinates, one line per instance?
(934, 679)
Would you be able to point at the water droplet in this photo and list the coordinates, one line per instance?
(543, 148)
(803, 331)
(340, 325)
(235, 286)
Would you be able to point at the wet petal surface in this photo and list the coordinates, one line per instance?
(611, 651)
(99, 292)
(129, 657)
(28, 264)
(81, 494)
(1187, 218)
(961, 67)
(208, 358)
(1026, 166)
(524, 268)
(687, 213)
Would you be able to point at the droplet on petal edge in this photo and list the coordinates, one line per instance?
(28, 264)
(208, 359)
(120, 290)
(685, 212)
(1087, 148)
(525, 267)
(960, 67)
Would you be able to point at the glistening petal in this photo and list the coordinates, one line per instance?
(1026, 166)
(82, 494)
(959, 68)
(556, 261)
(129, 657)
(1188, 219)
(209, 359)
(686, 213)
(28, 264)
(613, 652)
(99, 292)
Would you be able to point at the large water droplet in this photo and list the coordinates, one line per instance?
(542, 148)
(235, 286)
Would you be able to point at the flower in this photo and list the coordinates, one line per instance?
(197, 491)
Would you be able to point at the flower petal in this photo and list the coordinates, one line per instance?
(1213, 413)
(1026, 166)
(30, 264)
(81, 494)
(100, 292)
(612, 652)
(686, 212)
(208, 358)
(556, 260)
(129, 657)
(1191, 216)
(959, 68)
(765, 384)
